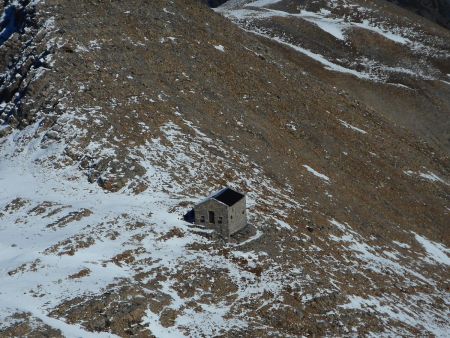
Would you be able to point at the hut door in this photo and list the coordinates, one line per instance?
(211, 217)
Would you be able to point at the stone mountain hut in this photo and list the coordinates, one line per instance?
(223, 211)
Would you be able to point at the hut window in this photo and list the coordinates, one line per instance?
(202, 219)
(211, 217)
(219, 220)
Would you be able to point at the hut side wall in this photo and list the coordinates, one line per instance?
(237, 216)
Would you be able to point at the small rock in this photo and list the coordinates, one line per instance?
(5, 131)
(52, 134)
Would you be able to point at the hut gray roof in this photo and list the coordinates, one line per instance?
(228, 196)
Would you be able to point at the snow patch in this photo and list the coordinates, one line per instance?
(220, 48)
(436, 252)
(348, 125)
(317, 174)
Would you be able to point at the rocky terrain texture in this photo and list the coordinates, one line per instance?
(117, 117)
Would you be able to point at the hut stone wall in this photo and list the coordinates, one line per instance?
(224, 219)
(219, 221)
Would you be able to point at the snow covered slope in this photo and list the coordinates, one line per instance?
(133, 122)
(64, 238)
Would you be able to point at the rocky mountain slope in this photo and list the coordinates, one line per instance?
(437, 11)
(118, 117)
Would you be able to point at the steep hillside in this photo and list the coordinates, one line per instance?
(118, 117)
(386, 57)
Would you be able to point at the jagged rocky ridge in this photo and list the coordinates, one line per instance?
(144, 117)
(25, 56)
